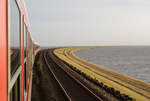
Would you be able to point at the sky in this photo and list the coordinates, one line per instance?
(89, 22)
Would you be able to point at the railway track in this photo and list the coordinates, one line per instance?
(71, 87)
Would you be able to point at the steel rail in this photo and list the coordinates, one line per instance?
(62, 88)
(73, 79)
(77, 80)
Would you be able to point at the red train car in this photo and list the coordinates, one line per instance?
(17, 52)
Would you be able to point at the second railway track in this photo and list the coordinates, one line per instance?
(73, 89)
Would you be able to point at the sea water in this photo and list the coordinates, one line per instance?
(133, 61)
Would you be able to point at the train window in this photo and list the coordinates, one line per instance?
(15, 93)
(25, 77)
(25, 47)
(15, 43)
(25, 42)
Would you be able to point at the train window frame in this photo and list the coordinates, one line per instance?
(13, 78)
(19, 38)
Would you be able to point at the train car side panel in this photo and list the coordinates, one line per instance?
(3, 51)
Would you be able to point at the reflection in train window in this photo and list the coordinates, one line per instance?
(15, 93)
(15, 36)
(25, 36)
(25, 77)
(25, 47)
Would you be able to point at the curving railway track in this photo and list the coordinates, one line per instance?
(72, 88)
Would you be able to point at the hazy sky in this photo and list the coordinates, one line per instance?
(89, 22)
